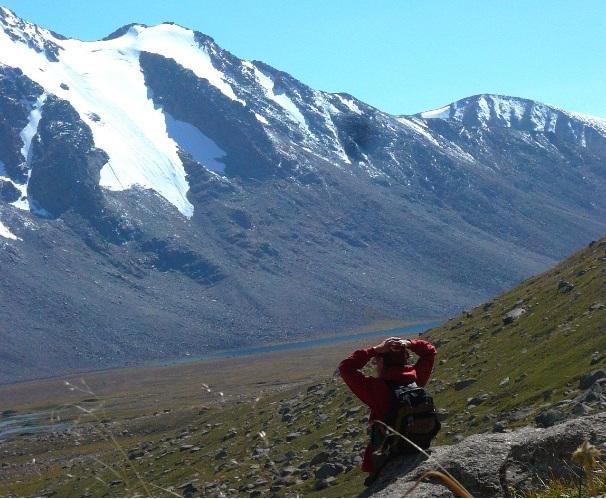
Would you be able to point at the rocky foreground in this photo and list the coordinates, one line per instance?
(497, 464)
(299, 443)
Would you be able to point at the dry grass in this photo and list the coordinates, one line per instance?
(184, 384)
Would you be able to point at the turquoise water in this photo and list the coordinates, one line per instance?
(37, 423)
(29, 423)
(414, 329)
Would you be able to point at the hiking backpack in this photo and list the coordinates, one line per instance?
(412, 414)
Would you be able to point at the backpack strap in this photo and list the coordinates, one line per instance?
(394, 385)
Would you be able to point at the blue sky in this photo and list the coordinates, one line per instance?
(401, 56)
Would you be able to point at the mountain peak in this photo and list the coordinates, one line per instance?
(120, 32)
(493, 110)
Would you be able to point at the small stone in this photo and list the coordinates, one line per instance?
(514, 315)
(461, 384)
(499, 427)
(320, 458)
(595, 358)
(549, 418)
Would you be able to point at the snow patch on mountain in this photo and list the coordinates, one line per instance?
(349, 103)
(104, 83)
(27, 134)
(277, 95)
(107, 88)
(203, 149)
(598, 123)
(418, 127)
(327, 109)
(6, 233)
(443, 113)
(179, 44)
(261, 119)
(524, 115)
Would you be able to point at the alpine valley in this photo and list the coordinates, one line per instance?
(160, 197)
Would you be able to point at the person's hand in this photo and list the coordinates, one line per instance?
(392, 344)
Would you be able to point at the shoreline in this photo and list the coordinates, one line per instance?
(179, 382)
(408, 330)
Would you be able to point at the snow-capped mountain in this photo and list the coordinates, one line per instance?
(160, 197)
(522, 114)
(107, 84)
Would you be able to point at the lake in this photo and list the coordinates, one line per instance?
(410, 330)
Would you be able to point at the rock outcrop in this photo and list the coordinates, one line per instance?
(496, 465)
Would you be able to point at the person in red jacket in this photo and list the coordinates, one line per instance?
(390, 358)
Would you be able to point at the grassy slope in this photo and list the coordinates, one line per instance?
(238, 439)
(543, 353)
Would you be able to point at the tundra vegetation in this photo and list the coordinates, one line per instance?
(284, 424)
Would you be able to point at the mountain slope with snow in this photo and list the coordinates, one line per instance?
(160, 197)
(105, 84)
(521, 114)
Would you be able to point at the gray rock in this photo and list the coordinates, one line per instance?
(292, 436)
(464, 383)
(324, 483)
(565, 286)
(521, 414)
(495, 464)
(135, 454)
(328, 470)
(499, 427)
(353, 411)
(475, 401)
(289, 470)
(442, 415)
(322, 457)
(189, 490)
(550, 417)
(581, 409)
(280, 459)
(590, 378)
(513, 315)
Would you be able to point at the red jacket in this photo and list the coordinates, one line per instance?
(374, 392)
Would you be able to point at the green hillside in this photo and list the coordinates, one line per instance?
(533, 362)
(304, 433)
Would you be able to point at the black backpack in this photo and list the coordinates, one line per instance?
(412, 414)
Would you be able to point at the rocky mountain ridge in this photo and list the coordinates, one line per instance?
(190, 204)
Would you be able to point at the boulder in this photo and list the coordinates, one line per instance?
(514, 315)
(550, 417)
(328, 470)
(565, 286)
(589, 379)
(464, 383)
(495, 464)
